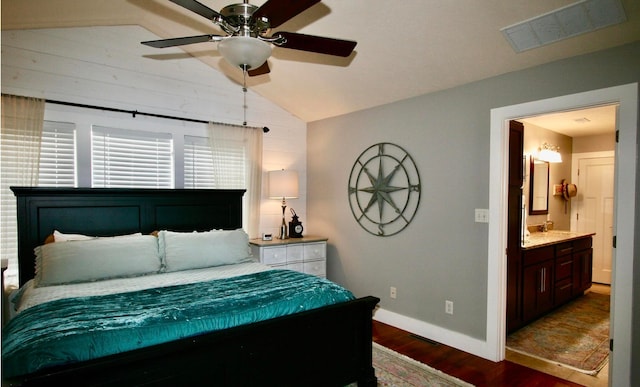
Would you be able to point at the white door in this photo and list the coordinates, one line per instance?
(595, 211)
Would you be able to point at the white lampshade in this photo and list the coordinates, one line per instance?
(244, 51)
(283, 184)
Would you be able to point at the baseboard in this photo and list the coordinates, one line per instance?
(433, 332)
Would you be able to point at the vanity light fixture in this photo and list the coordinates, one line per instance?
(549, 153)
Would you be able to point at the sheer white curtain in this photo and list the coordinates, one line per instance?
(20, 137)
(239, 149)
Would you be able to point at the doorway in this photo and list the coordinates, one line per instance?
(588, 152)
(624, 226)
(592, 158)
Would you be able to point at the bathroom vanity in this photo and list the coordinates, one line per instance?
(555, 268)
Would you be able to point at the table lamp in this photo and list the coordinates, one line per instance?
(283, 185)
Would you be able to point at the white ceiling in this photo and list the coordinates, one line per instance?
(405, 48)
(578, 123)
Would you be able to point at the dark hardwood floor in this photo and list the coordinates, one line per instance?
(470, 368)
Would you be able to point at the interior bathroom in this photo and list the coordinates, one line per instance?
(566, 233)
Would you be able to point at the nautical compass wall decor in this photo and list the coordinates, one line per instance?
(384, 189)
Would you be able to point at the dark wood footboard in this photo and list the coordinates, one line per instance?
(329, 346)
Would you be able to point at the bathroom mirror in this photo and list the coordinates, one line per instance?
(539, 187)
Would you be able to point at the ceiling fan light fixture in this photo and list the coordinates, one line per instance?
(244, 52)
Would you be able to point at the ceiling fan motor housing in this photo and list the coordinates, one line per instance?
(239, 16)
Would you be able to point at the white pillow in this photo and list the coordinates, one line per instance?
(60, 237)
(184, 251)
(96, 259)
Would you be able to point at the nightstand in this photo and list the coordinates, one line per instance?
(307, 254)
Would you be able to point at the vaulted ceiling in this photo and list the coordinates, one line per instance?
(405, 48)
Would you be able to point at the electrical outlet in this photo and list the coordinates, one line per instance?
(392, 292)
(448, 307)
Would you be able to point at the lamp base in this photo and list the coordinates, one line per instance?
(283, 232)
(283, 227)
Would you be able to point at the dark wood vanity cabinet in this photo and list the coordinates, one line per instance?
(566, 263)
(583, 270)
(551, 276)
(537, 292)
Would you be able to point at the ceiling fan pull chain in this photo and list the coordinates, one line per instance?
(244, 94)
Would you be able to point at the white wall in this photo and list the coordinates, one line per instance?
(74, 65)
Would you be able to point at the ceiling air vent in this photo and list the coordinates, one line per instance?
(562, 23)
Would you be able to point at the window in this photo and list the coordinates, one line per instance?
(57, 155)
(230, 163)
(198, 163)
(200, 169)
(131, 159)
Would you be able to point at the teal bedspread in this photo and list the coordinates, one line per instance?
(71, 330)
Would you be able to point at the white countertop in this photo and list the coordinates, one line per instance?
(539, 239)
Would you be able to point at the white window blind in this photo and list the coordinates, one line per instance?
(57, 155)
(198, 163)
(131, 159)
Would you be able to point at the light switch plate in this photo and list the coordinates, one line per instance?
(482, 215)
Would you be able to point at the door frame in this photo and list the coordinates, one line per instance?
(622, 277)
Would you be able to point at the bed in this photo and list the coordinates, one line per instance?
(326, 344)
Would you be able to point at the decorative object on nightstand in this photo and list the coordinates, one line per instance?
(283, 185)
(307, 254)
(384, 189)
(295, 226)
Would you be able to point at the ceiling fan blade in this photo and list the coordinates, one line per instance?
(200, 9)
(317, 44)
(279, 11)
(264, 69)
(162, 43)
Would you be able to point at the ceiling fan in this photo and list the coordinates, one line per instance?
(247, 44)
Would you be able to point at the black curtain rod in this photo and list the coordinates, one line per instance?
(135, 112)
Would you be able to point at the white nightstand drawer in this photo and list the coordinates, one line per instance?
(314, 251)
(274, 255)
(296, 266)
(295, 253)
(318, 268)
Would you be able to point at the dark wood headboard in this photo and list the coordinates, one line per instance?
(117, 211)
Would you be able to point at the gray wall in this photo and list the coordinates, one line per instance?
(599, 143)
(442, 255)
